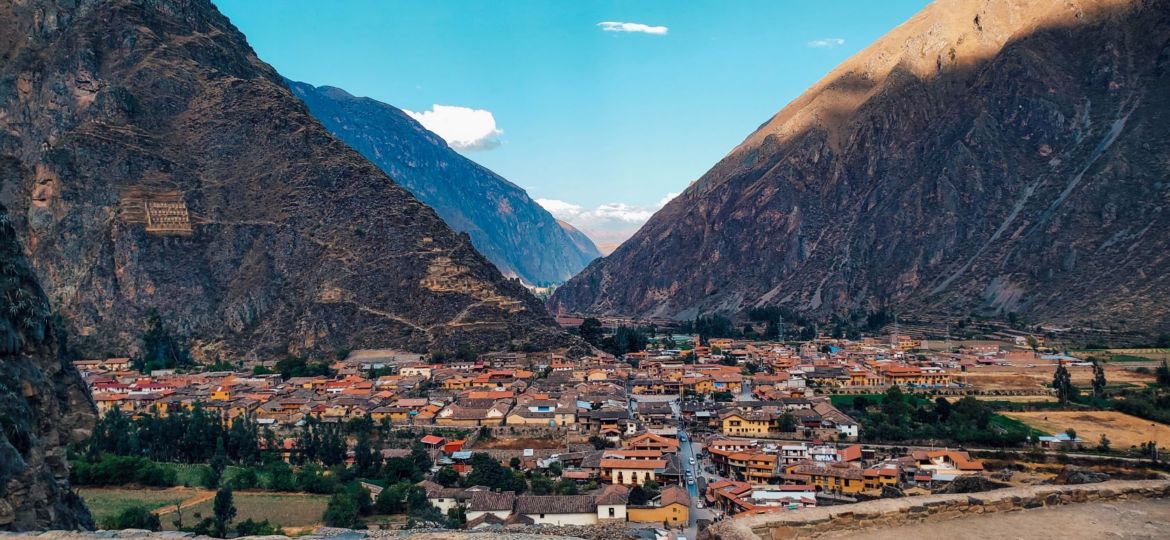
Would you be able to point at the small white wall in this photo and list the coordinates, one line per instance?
(619, 512)
(563, 519)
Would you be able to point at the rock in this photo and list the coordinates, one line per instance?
(970, 484)
(43, 403)
(1072, 475)
(889, 492)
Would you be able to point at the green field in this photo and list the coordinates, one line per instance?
(282, 510)
(107, 502)
(1011, 424)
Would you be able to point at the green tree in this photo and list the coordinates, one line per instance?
(591, 331)
(342, 511)
(787, 422)
(134, 517)
(1163, 375)
(1062, 383)
(447, 477)
(223, 510)
(1098, 379)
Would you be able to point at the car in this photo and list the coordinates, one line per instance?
(690, 481)
(699, 505)
(692, 461)
(682, 436)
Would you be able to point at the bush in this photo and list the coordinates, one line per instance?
(135, 517)
(111, 470)
(257, 528)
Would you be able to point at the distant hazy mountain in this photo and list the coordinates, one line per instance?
(983, 158)
(507, 226)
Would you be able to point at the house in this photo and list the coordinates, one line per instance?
(945, 465)
(834, 477)
(611, 502)
(482, 503)
(652, 441)
(557, 509)
(672, 506)
(445, 498)
(630, 467)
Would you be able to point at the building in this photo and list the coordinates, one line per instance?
(558, 509)
(672, 506)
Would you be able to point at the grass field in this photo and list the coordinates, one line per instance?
(1122, 430)
(291, 511)
(106, 502)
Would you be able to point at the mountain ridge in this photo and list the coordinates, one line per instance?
(903, 179)
(153, 164)
(504, 223)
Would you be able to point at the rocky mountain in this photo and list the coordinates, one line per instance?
(505, 225)
(153, 164)
(990, 157)
(43, 403)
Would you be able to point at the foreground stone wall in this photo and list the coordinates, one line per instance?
(814, 522)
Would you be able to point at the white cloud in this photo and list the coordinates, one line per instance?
(827, 43)
(639, 28)
(560, 209)
(608, 224)
(463, 128)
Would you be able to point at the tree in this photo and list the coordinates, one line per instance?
(638, 496)
(1072, 434)
(541, 485)
(591, 331)
(134, 517)
(223, 510)
(248, 527)
(787, 422)
(342, 511)
(1098, 380)
(1103, 445)
(447, 477)
(567, 487)
(1033, 343)
(1062, 383)
(1163, 375)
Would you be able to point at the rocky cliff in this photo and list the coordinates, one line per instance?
(152, 162)
(43, 403)
(984, 158)
(504, 224)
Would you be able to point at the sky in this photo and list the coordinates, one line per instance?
(601, 110)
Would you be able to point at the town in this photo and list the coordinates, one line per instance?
(662, 441)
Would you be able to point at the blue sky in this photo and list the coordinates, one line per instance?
(598, 121)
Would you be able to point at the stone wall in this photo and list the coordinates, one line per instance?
(814, 522)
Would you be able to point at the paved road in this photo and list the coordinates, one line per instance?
(689, 449)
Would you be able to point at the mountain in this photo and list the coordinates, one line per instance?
(508, 227)
(44, 404)
(991, 157)
(154, 165)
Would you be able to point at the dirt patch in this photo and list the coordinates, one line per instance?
(1136, 519)
(1122, 430)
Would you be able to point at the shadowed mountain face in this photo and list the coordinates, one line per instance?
(984, 157)
(504, 224)
(43, 403)
(151, 162)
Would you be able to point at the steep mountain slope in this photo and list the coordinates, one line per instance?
(508, 227)
(989, 157)
(43, 403)
(152, 163)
